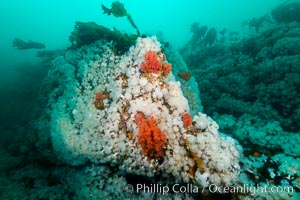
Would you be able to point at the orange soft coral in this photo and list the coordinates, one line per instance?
(99, 96)
(153, 64)
(185, 75)
(98, 101)
(187, 120)
(166, 68)
(150, 137)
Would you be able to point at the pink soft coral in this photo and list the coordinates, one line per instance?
(150, 137)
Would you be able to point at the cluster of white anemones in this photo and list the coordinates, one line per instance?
(81, 132)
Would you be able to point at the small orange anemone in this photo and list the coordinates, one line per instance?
(256, 154)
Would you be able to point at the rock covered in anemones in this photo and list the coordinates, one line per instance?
(137, 122)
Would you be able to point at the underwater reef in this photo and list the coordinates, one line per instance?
(24, 45)
(257, 76)
(129, 112)
(120, 116)
(287, 12)
(111, 118)
(250, 86)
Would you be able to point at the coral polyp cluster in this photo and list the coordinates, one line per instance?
(151, 63)
(151, 138)
(187, 120)
(155, 64)
(144, 126)
(98, 102)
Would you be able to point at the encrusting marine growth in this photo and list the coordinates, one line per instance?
(98, 102)
(155, 64)
(140, 120)
(151, 138)
(187, 120)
